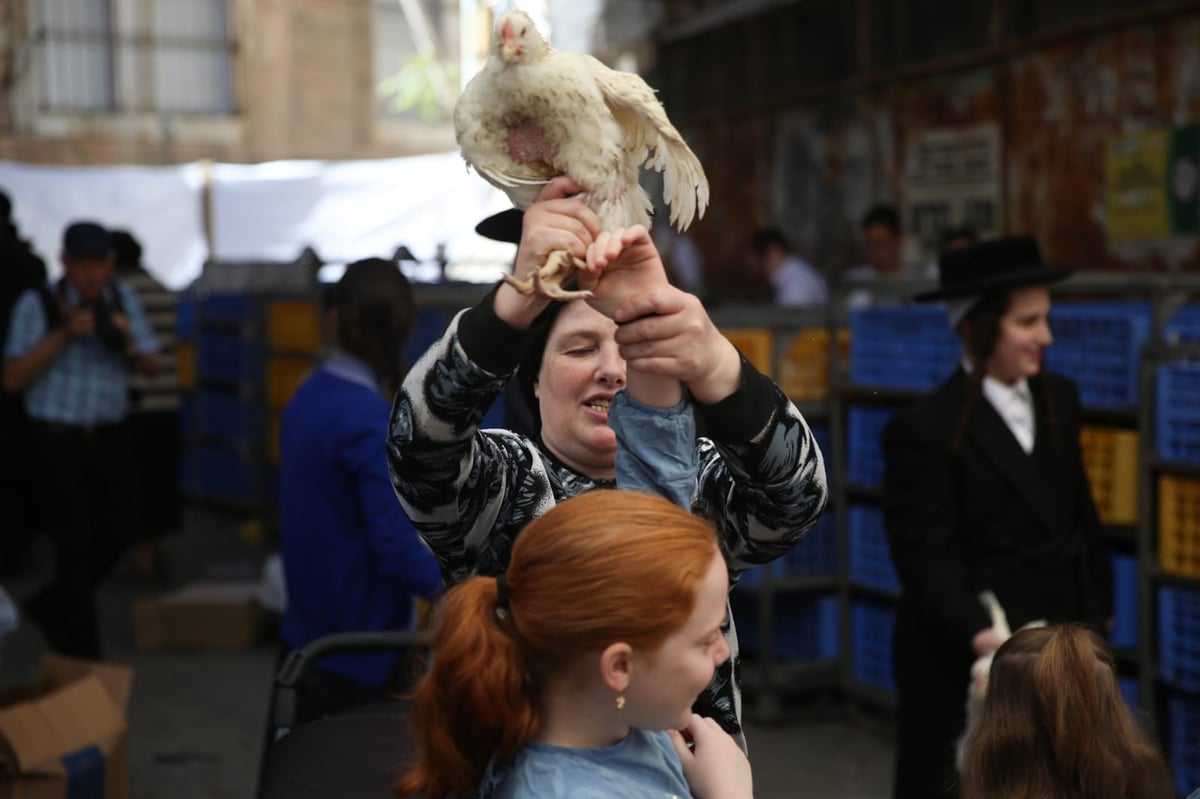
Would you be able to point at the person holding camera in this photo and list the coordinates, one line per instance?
(70, 349)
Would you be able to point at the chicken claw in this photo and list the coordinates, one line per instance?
(547, 281)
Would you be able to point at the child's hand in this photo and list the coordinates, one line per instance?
(621, 264)
(713, 765)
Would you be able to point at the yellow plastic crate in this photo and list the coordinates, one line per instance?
(1179, 525)
(293, 326)
(756, 344)
(1110, 460)
(185, 365)
(805, 369)
(284, 376)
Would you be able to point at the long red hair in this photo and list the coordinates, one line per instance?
(599, 568)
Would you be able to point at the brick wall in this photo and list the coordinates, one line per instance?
(304, 88)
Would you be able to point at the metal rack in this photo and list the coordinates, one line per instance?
(772, 680)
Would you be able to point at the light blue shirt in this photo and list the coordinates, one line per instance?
(797, 284)
(643, 765)
(87, 383)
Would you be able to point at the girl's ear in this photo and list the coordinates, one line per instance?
(616, 666)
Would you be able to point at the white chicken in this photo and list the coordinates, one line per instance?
(533, 113)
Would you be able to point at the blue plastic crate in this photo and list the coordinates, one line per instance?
(1179, 637)
(228, 356)
(864, 454)
(1099, 345)
(871, 628)
(225, 414)
(817, 551)
(1184, 326)
(429, 326)
(227, 307)
(753, 577)
(1125, 599)
(911, 347)
(803, 625)
(870, 558)
(1183, 731)
(1177, 412)
(185, 316)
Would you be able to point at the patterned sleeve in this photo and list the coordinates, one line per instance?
(762, 476)
(458, 484)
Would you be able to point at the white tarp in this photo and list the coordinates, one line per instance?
(344, 210)
(160, 205)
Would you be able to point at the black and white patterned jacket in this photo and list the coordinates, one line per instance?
(469, 492)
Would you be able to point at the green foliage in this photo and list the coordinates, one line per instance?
(423, 85)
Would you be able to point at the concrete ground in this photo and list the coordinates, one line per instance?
(196, 720)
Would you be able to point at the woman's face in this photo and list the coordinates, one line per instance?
(1023, 336)
(581, 371)
(664, 684)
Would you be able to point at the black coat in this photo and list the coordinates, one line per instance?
(980, 515)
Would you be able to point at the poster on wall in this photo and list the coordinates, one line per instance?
(951, 179)
(1152, 184)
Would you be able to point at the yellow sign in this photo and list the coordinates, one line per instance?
(1136, 191)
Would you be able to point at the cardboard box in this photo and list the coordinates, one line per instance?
(201, 617)
(65, 735)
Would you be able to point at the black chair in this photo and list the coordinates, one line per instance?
(352, 754)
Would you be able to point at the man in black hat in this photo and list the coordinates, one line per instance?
(70, 349)
(984, 490)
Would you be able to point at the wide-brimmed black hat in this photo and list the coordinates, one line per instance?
(990, 265)
(504, 226)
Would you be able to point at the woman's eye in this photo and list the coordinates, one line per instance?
(581, 351)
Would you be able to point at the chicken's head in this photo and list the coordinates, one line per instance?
(517, 39)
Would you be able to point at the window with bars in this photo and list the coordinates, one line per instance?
(158, 55)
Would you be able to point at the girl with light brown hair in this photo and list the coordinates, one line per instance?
(1055, 726)
(578, 665)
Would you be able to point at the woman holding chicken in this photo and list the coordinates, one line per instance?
(758, 475)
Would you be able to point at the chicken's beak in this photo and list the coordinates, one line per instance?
(510, 51)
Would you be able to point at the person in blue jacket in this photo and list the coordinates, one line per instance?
(351, 558)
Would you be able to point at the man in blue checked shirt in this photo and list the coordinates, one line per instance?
(70, 348)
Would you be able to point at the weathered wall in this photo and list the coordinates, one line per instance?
(814, 165)
(304, 88)
(1062, 106)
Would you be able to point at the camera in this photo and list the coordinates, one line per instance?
(108, 333)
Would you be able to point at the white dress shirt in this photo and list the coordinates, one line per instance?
(1014, 403)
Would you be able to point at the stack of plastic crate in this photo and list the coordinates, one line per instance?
(1099, 346)
(910, 347)
(871, 626)
(870, 559)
